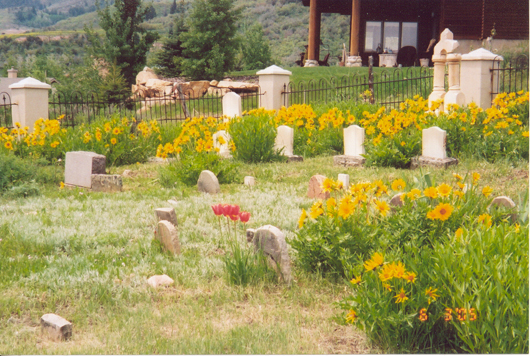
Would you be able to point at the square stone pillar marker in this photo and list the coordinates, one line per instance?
(272, 81)
(31, 97)
(475, 77)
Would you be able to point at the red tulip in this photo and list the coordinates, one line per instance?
(234, 217)
(244, 216)
(217, 209)
(234, 210)
(226, 210)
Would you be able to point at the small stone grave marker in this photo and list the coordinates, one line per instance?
(353, 148)
(168, 236)
(397, 201)
(345, 179)
(167, 214)
(56, 326)
(315, 188)
(160, 280)
(208, 183)
(504, 202)
(107, 183)
(271, 241)
(249, 181)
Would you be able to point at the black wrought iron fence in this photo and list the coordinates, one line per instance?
(509, 76)
(79, 108)
(6, 116)
(386, 88)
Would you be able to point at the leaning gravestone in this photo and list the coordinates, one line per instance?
(315, 188)
(353, 148)
(284, 141)
(271, 241)
(56, 326)
(168, 236)
(434, 141)
(208, 183)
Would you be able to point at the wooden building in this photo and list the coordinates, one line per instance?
(393, 24)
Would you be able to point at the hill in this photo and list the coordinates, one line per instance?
(285, 22)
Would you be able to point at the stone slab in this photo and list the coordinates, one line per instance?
(167, 214)
(160, 280)
(107, 183)
(348, 161)
(294, 158)
(432, 162)
(315, 188)
(56, 326)
(80, 165)
(168, 236)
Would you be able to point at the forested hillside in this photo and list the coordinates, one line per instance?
(284, 22)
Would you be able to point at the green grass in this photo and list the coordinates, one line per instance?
(86, 256)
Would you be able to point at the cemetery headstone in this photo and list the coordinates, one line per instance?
(396, 200)
(167, 214)
(56, 326)
(504, 202)
(271, 241)
(107, 183)
(284, 141)
(434, 149)
(353, 148)
(168, 236)
(79, 167)
(160, 280)
(224, 150)
(208, 183)
(345, 179)
(315, 188)
(249, 181)
(232, 105)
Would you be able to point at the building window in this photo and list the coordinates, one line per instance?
(390, 36)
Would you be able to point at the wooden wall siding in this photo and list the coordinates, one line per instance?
(510, 18)
(465, 18)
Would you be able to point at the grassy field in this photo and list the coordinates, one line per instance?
(86, 256)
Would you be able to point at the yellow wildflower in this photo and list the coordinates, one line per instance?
(301, 221)
(401, 297)
(431, 192)
(487, 191)
(398, 184)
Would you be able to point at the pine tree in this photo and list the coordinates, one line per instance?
(125, 41)
(210, 43)
(173, 7)
(169, 59)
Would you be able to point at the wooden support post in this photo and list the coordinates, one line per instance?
(355, 26)
(314, 33)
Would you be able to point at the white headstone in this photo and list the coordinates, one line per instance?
(224, 150)
(446, 43)
(249, 181)
(285, 140)
(353, 141)
(433, 143)
(345, 179)
(80, 165)
(232, 105)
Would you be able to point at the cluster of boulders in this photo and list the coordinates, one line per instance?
(149, 85)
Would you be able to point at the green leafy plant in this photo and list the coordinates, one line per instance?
(189, 167)
(253, 136)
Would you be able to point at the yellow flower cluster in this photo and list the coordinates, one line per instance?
(45, 133)
(197, 135)
(297, 115)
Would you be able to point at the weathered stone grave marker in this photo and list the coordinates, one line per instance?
(87, 169)
(208, 183)
(271, 241)
(249, 181)
(315, 188)
(56, 326)
(168, 236)
(345, 179)
(160, 280)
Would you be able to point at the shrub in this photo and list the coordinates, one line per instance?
(15, 171)
(243, 266)
(188, 169)
(253, 136)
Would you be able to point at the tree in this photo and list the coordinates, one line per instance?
(151, 13)
(210, 43)
(168, 60)
(173, 7)
(125, 42)
(255, 49)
